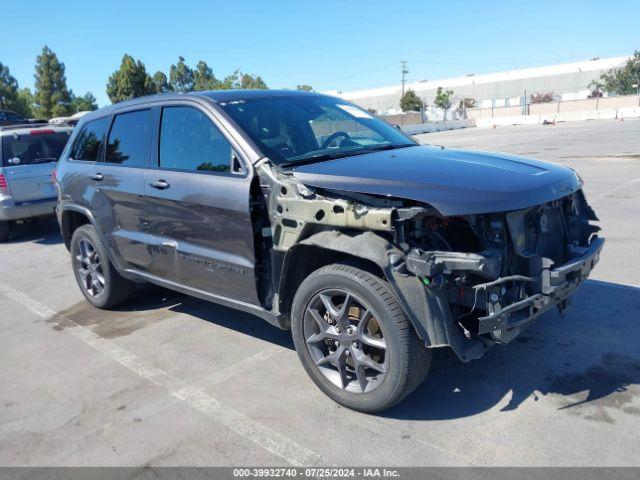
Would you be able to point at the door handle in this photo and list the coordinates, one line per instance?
(160, 184)
(97, 177)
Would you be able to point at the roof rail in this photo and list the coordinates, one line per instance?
(19, 126)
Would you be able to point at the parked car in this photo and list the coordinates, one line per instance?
(28, 155)
(306, 211)
(9, 117)
(71, 120)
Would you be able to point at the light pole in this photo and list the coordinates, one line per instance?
(405, 70)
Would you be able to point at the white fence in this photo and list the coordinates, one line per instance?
(437, 126)
(609, 113)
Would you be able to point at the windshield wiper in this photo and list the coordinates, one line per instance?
(315, 158)
(347, 153)
(375, 148)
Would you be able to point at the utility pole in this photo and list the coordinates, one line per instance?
(403, 64)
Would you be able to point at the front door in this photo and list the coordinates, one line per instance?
(199, 207)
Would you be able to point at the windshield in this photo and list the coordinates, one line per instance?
(301, 129)
(32, 148)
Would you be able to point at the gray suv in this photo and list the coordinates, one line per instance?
(28, 156)
(308, 212)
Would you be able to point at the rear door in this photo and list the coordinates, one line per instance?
(198, 198)
(29, 159)
(118, 202)
(77, 172)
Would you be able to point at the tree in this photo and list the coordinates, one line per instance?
(11, 97)
(160, 82)
(465, 104)
(252, 82)
(181, 76)
(596, 92)
(131, 80)
(85, 103)
(231, 81)
(410, 102)
(52, 97)
(245, 81)
(443, 100)
(305, 88)
(203, 77)
(8, 88)
(24, 103)
(623, 80)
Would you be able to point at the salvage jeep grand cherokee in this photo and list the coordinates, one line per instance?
(306, 211)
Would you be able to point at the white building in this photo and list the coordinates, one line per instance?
(568, 81)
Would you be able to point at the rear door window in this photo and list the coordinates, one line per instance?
(190, 141)
(128, 142)
(33, 148)
(89, 142)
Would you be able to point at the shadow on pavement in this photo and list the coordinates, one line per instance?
(43, 231)
(587, 360)
(151, 304)
(235, 320)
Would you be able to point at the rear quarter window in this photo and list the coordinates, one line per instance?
(89, 141)
(33, 148)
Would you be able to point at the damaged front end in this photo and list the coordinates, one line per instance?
(466, 282)
(524, 262)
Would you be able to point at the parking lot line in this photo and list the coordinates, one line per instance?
(194, 396)
(235, 369)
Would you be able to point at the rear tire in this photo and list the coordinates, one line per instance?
(5, 231)
(99, 281)
(390, 356)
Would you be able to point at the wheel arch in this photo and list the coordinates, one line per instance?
(427, 309)
(74, 216)
(304, 258)
(366, 250)
(71, 218)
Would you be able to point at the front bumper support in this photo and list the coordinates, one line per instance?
(556, 285)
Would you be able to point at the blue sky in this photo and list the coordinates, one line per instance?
(343, 45)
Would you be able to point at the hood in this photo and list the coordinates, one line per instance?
(453, 181)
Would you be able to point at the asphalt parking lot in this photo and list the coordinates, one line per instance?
(171, 380)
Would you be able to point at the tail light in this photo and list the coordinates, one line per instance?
(54, 176)
(4, 188)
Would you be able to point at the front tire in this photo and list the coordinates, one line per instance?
(354, 340)
(97, 278)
